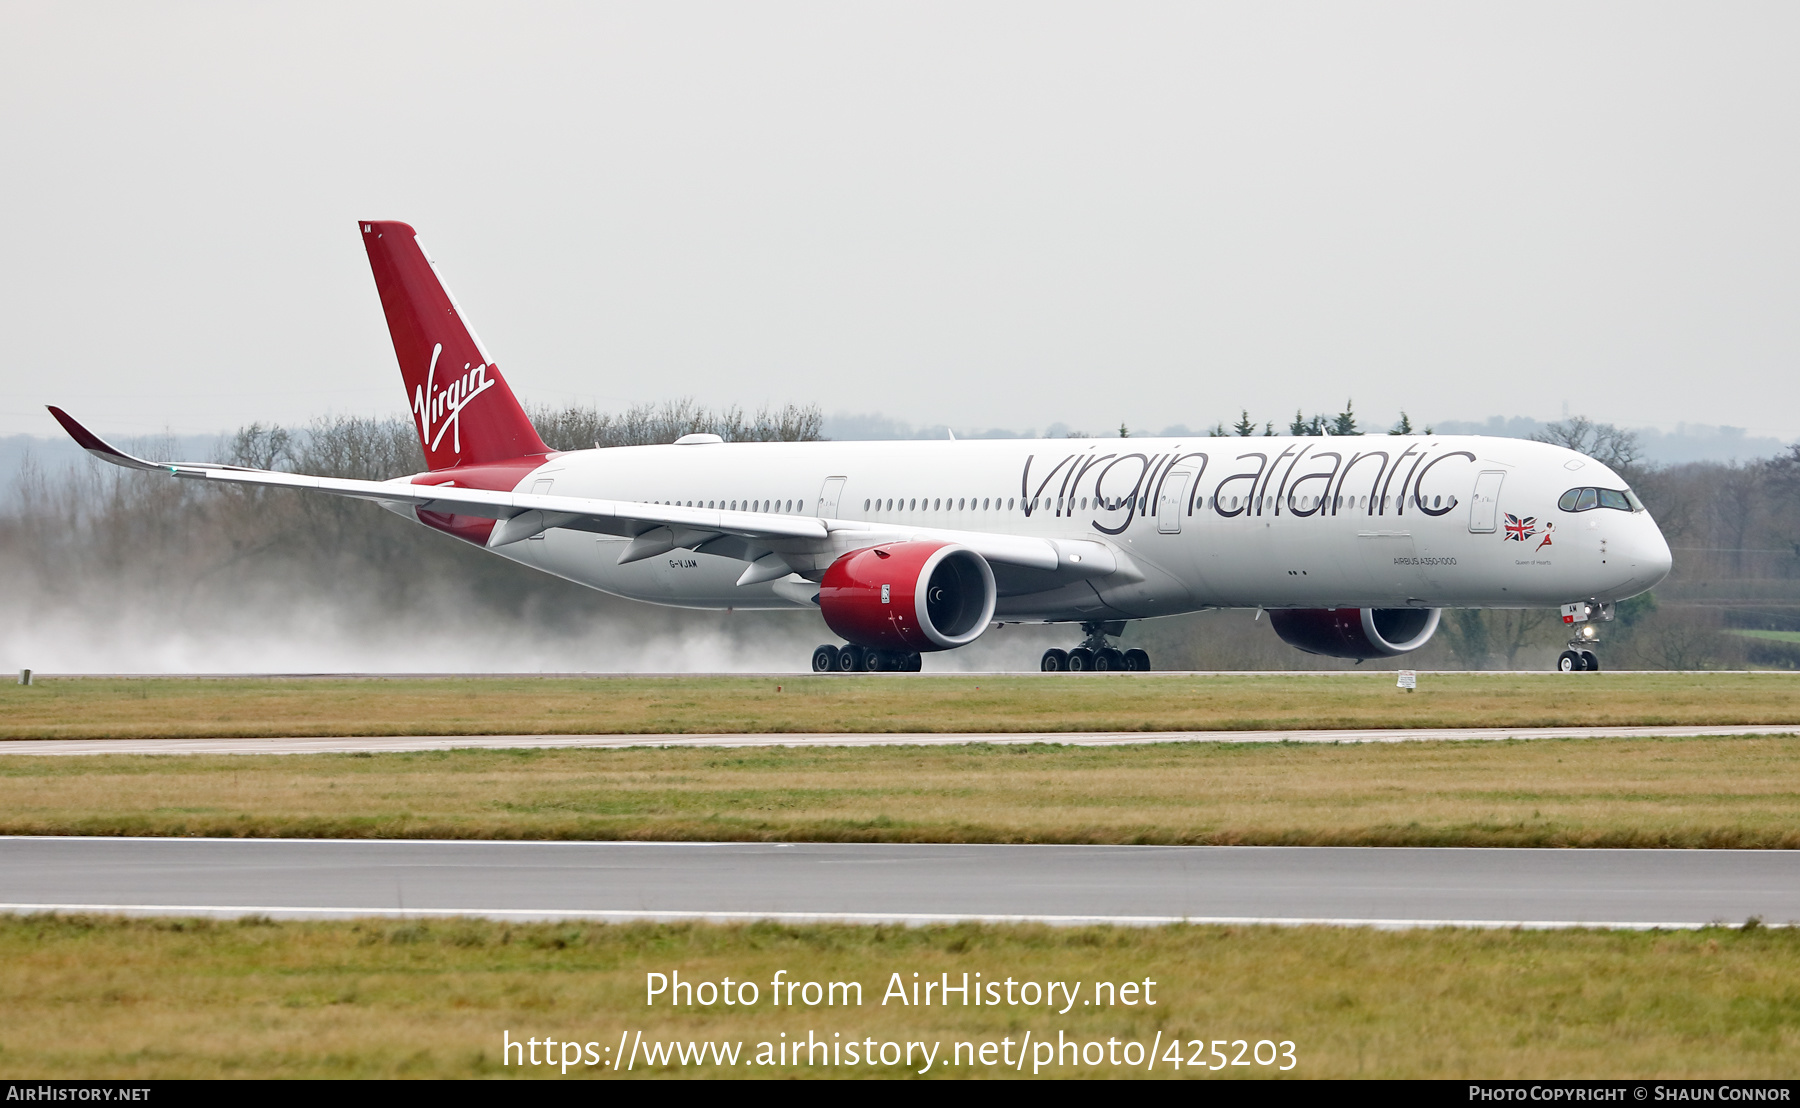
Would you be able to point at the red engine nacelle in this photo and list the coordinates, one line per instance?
(1356, 632)
(909, 596)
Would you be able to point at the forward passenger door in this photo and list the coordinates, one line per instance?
(1484, 507)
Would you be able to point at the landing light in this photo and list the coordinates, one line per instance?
(1588, 632)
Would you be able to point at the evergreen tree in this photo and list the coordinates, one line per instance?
(1245, 426)
(1345, 423)
(1404, 427)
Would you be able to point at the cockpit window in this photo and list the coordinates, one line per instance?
(1581, 500)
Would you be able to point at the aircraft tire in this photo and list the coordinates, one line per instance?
(1109, 660)
(1570, 662)
(876, 661)
(824, 659)
(1081, 659)
(1054, 661)
(1137, 661)
(850, 659)
(1590, 662)
(914, 662)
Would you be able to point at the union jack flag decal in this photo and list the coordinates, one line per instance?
(1518, 530)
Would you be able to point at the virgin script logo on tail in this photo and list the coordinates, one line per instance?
(440, 410)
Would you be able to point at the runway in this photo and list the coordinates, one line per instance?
(868, 883)
(375, 744)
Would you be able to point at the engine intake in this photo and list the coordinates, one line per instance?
(909, 596)
(1356, 632)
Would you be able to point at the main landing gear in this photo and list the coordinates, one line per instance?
(859, 659)
(1096, 654)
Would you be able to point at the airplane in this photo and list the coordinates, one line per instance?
(1353, 546)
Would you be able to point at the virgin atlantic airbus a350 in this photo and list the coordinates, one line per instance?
(1352, 545)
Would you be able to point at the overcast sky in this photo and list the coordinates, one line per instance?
(977, 214)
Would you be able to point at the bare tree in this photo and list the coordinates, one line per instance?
(349, 446)
(1467, 633)
(1735, 504)
(1675, 495)
(1783, 482)
(1684, 638)
(578, 428)
(1513, 630)
(259, 447)
(1607, 444)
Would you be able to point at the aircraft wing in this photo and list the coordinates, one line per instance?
(774, 544)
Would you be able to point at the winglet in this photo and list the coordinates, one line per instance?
(98, 446)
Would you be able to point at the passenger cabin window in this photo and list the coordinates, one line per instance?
(1581, 500)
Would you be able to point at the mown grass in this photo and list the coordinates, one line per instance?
(1773, 636)
(1707, 792)
(185, 708)
(98, 998)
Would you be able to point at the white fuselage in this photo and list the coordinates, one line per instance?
(1366, 522)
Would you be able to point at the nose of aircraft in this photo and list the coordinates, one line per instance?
(1650, 557)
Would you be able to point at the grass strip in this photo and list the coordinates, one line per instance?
(258, 707)
(1772, 636)
(1705, 792)
(105, 998)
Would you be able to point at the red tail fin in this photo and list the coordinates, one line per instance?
(464, 410)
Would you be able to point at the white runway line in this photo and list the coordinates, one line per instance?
(908, 919)
(377, 744)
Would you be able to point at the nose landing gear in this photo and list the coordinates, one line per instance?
(1579, 657)
(859, 659)
(1573, 661)
(1095, 653)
